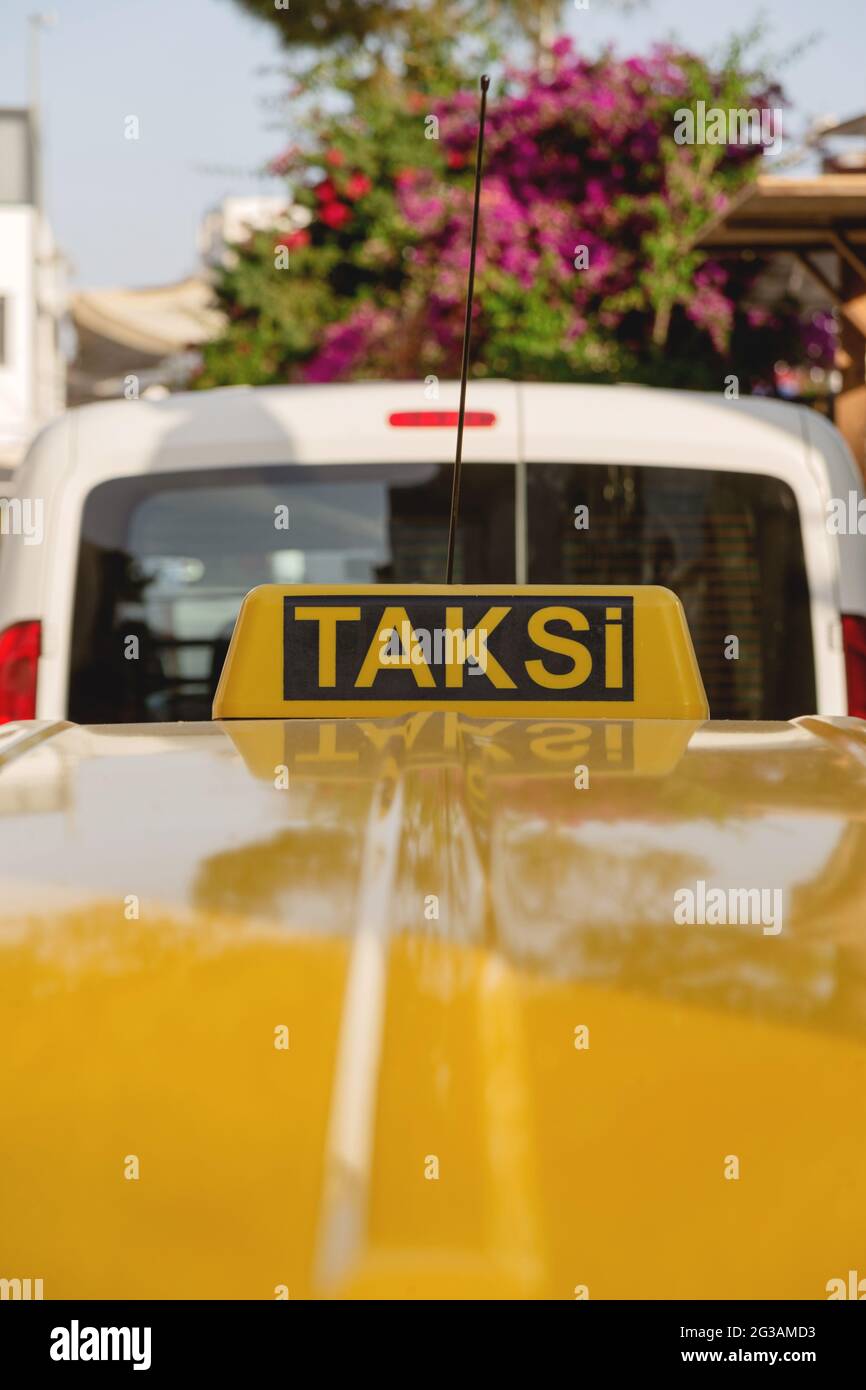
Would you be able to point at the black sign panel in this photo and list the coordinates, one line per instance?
(449, 646)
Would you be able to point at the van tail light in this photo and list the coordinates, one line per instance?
(19, 658)
(854, 642)
(440, 419)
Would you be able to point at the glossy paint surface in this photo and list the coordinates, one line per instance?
(441, 914)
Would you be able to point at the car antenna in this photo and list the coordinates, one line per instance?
(467, 334)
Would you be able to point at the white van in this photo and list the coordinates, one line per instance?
(136, 527)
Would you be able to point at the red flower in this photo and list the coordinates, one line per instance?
(295, 239)
(405, 177)
(456, 160)
(325, 191)
(335, 214)
(358, 186)
(335, 158)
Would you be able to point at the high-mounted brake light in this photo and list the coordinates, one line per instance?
(854, 643)
(19, 659)
(433, 419)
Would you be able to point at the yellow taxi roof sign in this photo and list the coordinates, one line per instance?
(341, 650)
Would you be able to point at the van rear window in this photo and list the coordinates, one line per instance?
(165, 559)
(728, 544)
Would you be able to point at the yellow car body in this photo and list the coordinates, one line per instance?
(397, 1006)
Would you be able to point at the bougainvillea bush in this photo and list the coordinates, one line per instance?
(587, 263)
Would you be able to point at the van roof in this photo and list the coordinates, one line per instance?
(295, 423)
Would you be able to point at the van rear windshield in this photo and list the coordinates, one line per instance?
(165, 559)
(728, 544)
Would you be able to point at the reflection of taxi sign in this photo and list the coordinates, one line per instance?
(343, 650)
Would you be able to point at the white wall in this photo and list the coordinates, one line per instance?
(32, 372)
(16, 369)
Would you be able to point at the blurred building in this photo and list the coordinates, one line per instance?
(838, 156)
(814, 230)
(238, 218)
(32, 295)
(147, 341)
(139, 341)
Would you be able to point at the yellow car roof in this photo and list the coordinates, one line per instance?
(401, 1007)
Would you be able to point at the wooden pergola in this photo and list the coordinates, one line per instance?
(803, 218)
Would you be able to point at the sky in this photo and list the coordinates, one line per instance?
(198, 74)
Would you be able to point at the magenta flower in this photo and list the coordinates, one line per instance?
(586, 218)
